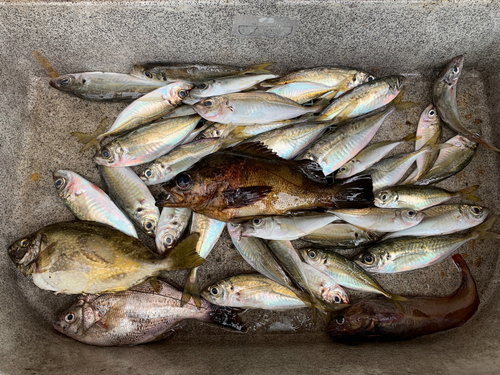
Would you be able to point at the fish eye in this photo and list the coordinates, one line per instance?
(105, 153)
(312, 254)
(411, 213)
(148, 173)
(432, 112)
(149, 225)
(182, 93)
(476, 209)
(69, 317)
(368, 259)
(371, 78)
(257, 222)
(371, 236)
(337, 299)
(456, 70)
(64, 81)
(169, 240)
(59, 182)
(202, 86)
(384, 195)
(148, 74)
(214, 291)
(184, 181)
(343, 169)
(354, 79)
(25, 242)
(207, 103)
(340, 320)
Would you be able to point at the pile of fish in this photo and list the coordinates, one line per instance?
(249, 150)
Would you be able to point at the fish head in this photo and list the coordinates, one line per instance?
(234, 230)
(142, 71)
(313, 257)
(345, 170)
(218, 293)
(358, 79)
(386, 199)
(64, 181)
(214, 108)
(110, 155)
(149, 222)
(430, 117)
(473, 214)
(354, 321)
(204, 89)
(334, 294)
(76, 320)
(258, 227)
(153, 174)
(68, 82)
(167, 240)
(410, 218)
(177, 91)
(372, 260)
(450, 74)
(24, 252)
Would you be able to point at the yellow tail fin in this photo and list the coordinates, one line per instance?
(259, 68)
(191, 290)
(466, 193)
(90, 139)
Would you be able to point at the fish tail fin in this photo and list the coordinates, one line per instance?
(191, 290)
(355, 192)
(399, 104)
(45, 64)
(91, 139)
(466, 193)
(227, 317)
(396, 299)
(259, 68)
(410, 138)
(183, 256)
(481, 231)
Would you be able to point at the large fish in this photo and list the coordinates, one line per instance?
(250, 180)
(136, 316)
(88, 257)
(445, 99)
(379, 320)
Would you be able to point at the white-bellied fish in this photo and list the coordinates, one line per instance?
(340, 235)
(301, 92)
(227, 85)
(171, 226)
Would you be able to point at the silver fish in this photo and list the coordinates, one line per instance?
(340, 235)
(301, 92)
(181, 111)
(323, 287)
(172, 224)
(228, 85)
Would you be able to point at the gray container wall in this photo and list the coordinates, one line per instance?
(414, 38)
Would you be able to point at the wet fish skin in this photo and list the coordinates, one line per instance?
(323, 287)
(88, 202)
(131, 194)
(89, 257)
(171, 226)
(340, 235)
(178, 160)
(301, 92)
(147, 143)
(103, 86)
(136, 316)
(227, 85)
(379, 320)
(419, 197)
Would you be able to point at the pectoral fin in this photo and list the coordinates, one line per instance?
(242, 197)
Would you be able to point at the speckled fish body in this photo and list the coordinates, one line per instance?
(252, 291)
(132, 196)
(340, 235)
(89, 257)
(445, 99)
(228, 85)
(148, 108)
(171, 226)
(147, 143)
(301, 92)
(136, 316)
(323, 287)
(379, 320)
(289, 142)
(88, 202)
(445, 219)
(103, 86)
(369, 156)
(341, 144)
(363, 99)
(380, 219)
(178, 160)
(411, 253)
(250, 108)
(450, 160)
(419, 197)
(285, 228)
(181, 111)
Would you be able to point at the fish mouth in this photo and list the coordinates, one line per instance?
(58, 327)
(54, 83)
(170, 199)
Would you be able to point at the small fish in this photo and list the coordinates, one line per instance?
(88, 202)
(181, 111)
(250, 108)
(323, 287)
(179, 160)
(428, 132)
(363, 99)
(228, 85)
(269, 186)
(171, 226)
(445, 99)
(147, 143)
(283, 227)
(301, 92)
(136, 316)
(89, 257)
(369, 156)
(252, 291)
(419, 197)
(193, 72)
(445, 219)
(129, 192)
(380, 219)
(411, 253)
(105, 86)
(146, 109)
(450, 161)
(340, 235)
(344, 142)
(345, 272)
(210, 231)
(378, 320)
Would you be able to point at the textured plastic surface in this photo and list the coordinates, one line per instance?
(385, 37)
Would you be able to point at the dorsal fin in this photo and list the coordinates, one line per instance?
(256, 149)
(311, 170)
